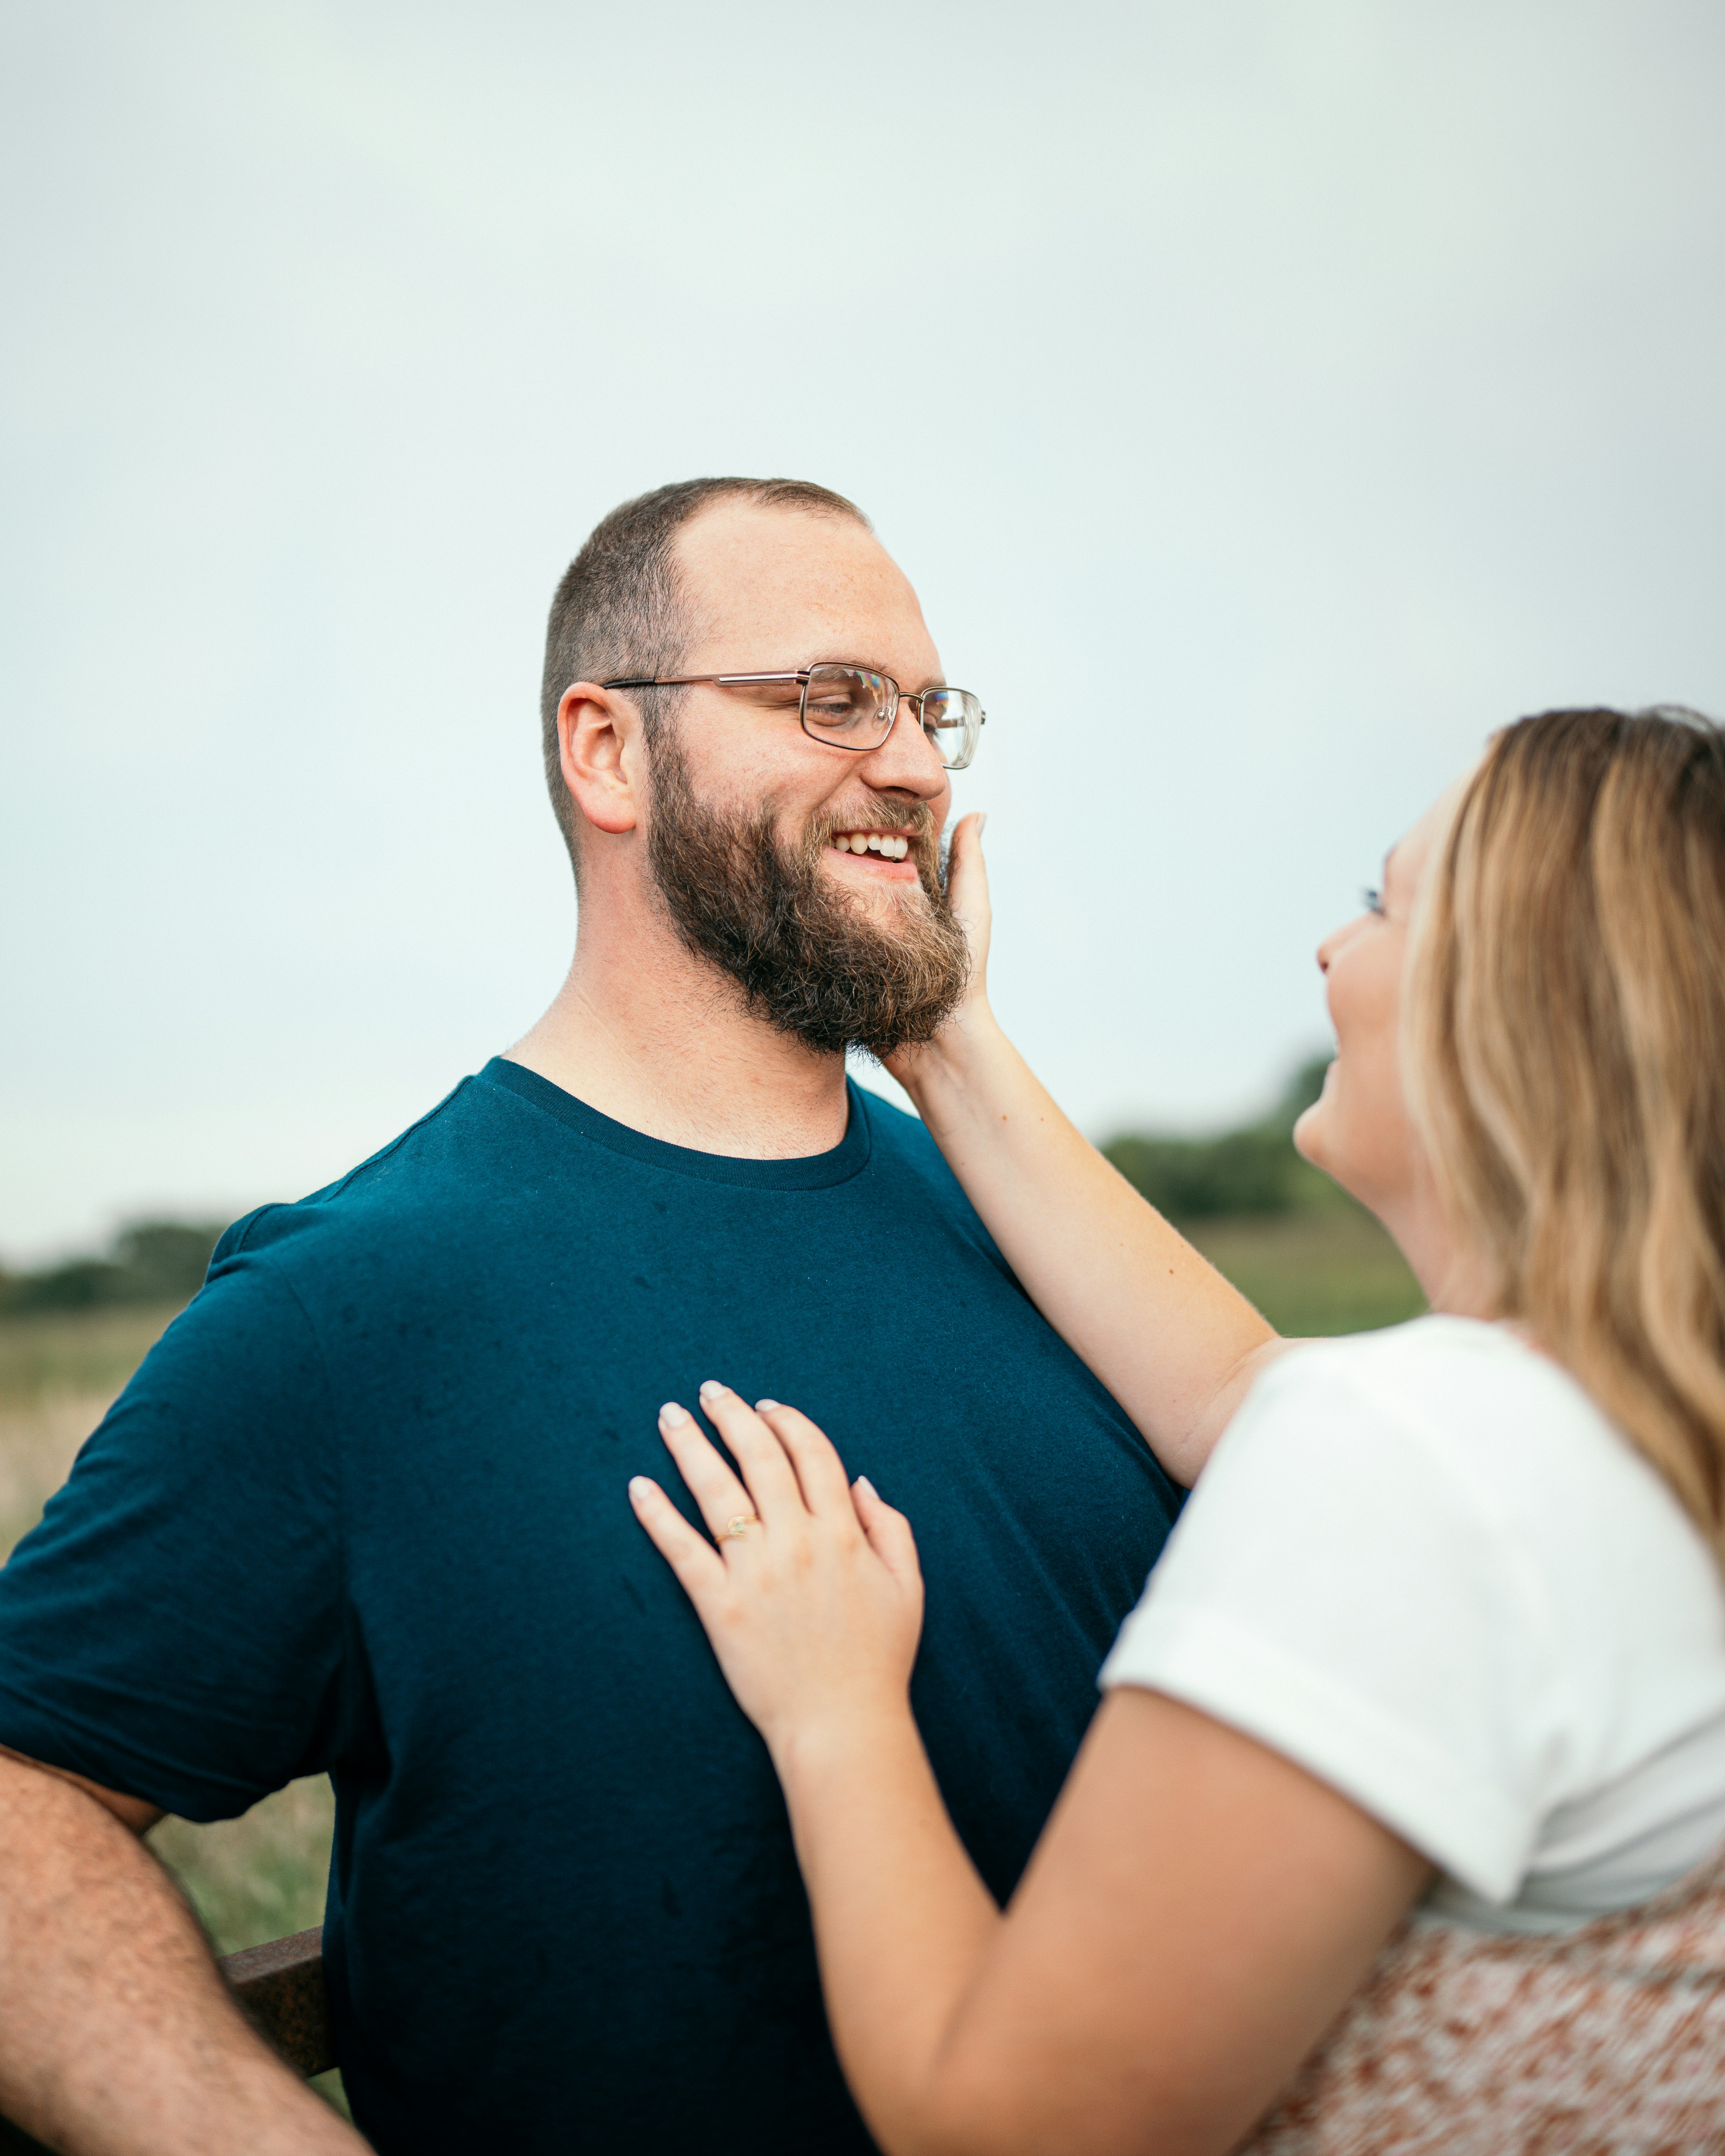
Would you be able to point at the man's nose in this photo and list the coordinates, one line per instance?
(907, 760)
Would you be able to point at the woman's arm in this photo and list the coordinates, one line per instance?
(1176, 1345)
(1196, 1914)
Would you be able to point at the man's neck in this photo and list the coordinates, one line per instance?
(658, 1039)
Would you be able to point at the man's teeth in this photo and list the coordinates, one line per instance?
(884, 843)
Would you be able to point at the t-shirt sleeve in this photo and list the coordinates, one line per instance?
(1341, 1588)
(171, 1629)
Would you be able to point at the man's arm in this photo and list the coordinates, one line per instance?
(117, 2034)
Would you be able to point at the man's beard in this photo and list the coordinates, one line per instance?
(806, 955)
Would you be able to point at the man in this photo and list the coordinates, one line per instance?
(364, 1507)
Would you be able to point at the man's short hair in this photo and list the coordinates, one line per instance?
(621, 609)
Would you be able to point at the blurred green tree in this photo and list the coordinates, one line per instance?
(167, 1258)
(147, 1261)
(1252, 1170)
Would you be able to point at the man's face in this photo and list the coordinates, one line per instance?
(747, 811)
(774, 590)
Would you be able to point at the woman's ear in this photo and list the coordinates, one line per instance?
(594, 727)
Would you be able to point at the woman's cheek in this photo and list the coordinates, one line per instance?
(1309, 1127)
(1339, 1133)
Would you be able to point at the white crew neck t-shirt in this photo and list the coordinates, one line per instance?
(1425, 1566)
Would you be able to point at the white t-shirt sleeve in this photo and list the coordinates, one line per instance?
(1342, 1587)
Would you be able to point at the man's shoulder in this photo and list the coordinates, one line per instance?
(898, 1139)
(442, 1166)
(901, 1150)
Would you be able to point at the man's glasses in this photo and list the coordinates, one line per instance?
(854, 708)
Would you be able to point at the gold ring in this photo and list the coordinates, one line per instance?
(735, 1529)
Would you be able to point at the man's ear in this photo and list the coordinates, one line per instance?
(599, 737)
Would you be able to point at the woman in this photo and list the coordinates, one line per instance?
(1443, 1624)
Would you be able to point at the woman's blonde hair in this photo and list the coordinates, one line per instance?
(1564, 1048)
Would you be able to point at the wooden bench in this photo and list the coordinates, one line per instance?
(281, 1987)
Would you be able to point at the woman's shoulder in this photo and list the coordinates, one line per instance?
(1424, 1565)
(1452, 1419)
(1458, 1355)
(1474, 1391)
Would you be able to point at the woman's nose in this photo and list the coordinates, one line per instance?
(1337, 939)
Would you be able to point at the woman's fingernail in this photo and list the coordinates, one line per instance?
(710, 1385)
(765, 1407)
(639, 1486)
(863, 1484)
(980, 822)
(672, 1415)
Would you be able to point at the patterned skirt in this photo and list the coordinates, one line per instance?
(1605, 2041)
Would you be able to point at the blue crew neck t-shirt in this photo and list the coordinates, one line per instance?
(363, 1510)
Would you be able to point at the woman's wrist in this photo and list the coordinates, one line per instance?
(819, 1751)
(956, 1062)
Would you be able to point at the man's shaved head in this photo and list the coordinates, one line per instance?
(621, 609)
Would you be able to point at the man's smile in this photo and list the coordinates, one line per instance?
(875, 855)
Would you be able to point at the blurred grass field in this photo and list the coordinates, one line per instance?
(1332, 1269)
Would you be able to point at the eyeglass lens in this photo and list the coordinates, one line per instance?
(851, 707)
(950, 718)
(846, 704)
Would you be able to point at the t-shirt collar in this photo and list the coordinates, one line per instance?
(817, 1171)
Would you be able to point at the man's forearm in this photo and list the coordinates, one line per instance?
(117, 2034)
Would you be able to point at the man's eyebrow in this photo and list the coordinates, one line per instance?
(874, 666)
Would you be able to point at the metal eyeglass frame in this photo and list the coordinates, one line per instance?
(805, 675)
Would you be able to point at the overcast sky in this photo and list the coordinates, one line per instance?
(1266, 401)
